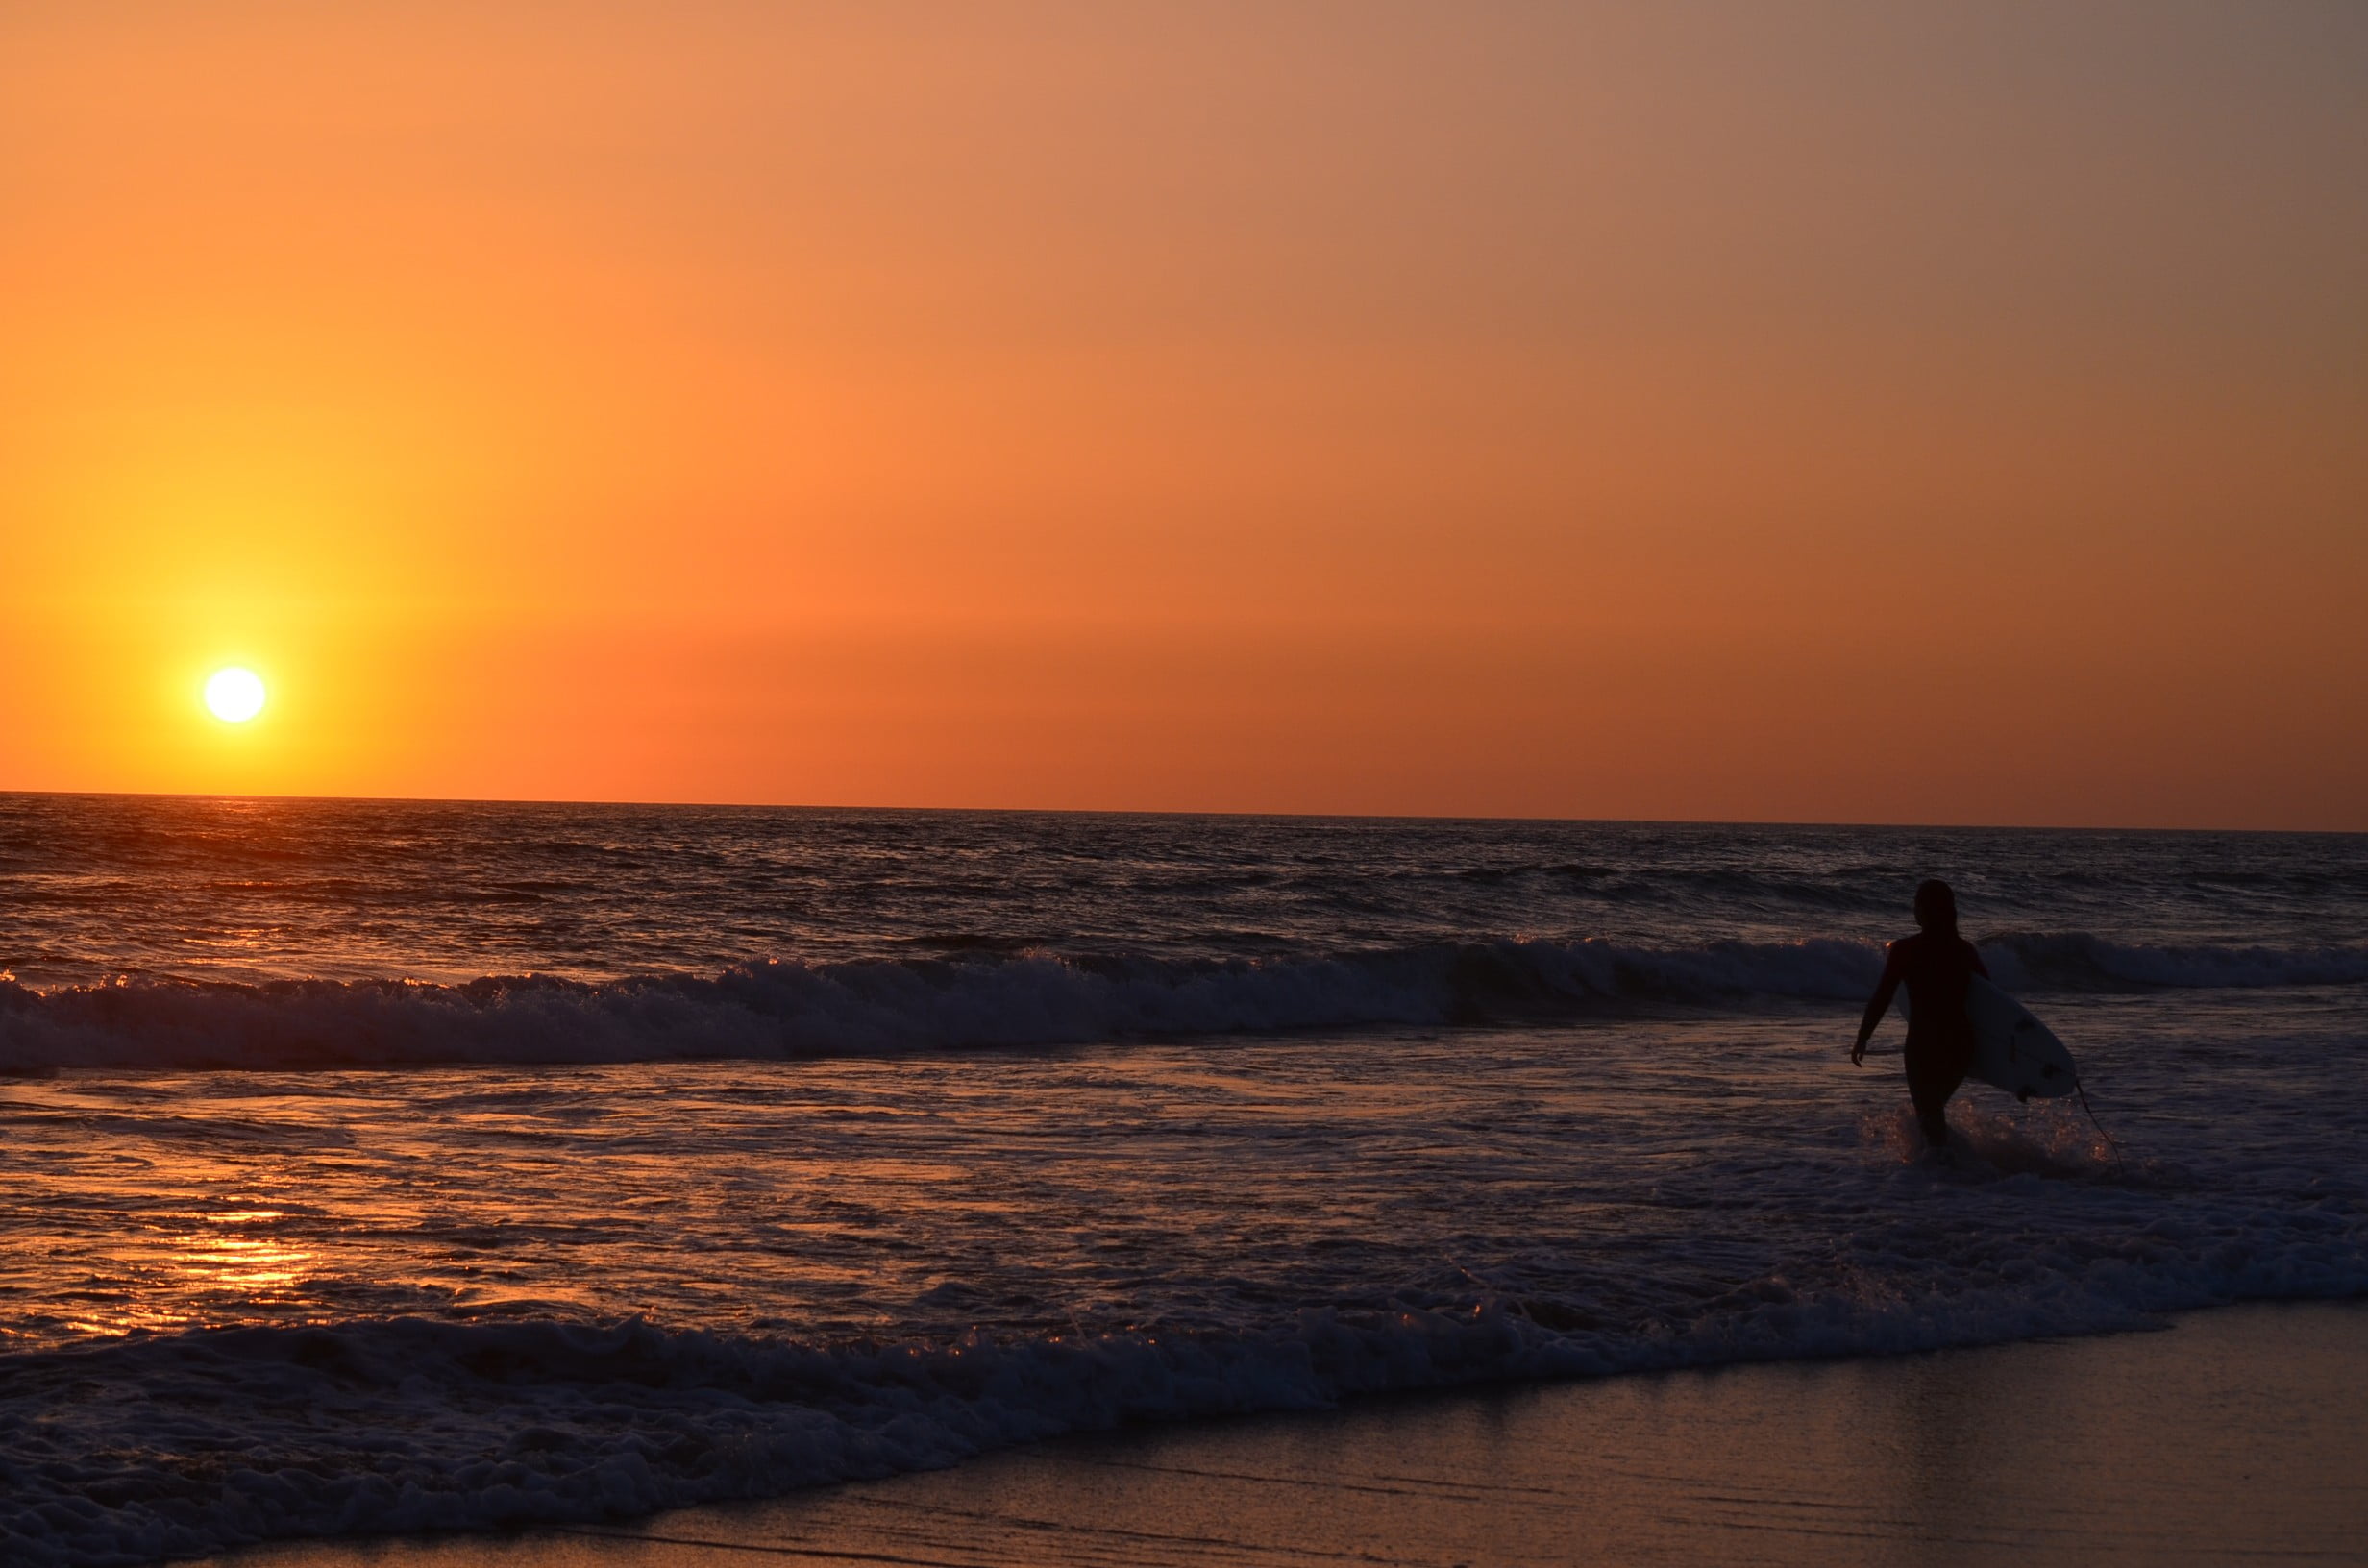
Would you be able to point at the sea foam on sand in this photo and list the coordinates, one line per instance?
(2238, 1434)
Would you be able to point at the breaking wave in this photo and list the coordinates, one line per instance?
(784, 1009)
(2075, 961)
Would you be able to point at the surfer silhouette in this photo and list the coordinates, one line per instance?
(1938, 966)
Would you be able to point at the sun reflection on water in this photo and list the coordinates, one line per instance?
(171, 1283)
(256, 1267)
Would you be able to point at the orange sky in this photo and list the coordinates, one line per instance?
(1724, 411)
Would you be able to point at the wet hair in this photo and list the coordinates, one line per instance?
(1935, 907)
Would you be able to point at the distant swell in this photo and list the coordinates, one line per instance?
(888, 1006)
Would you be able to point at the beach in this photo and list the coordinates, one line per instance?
(2236, 1434)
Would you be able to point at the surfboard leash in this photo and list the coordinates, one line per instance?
(2121, 1166)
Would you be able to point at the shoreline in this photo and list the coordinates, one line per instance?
(2137, 1447)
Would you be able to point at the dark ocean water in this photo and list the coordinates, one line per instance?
(374, 1165)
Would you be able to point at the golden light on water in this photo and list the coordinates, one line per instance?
(235, 695)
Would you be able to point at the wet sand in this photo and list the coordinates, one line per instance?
(2235, 1436)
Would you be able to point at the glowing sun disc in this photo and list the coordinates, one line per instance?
(235, 695)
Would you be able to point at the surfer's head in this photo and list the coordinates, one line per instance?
(1935, 907)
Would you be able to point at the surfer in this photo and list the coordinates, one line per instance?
(1937, 965)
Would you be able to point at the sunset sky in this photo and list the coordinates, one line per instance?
(1742, 411)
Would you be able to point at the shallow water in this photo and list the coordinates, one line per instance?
(1025, 1125)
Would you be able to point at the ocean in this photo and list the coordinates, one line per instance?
(392, 1166)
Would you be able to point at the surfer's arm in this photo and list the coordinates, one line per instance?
(1877, 1005)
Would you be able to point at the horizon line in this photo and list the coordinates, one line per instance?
(1125, 811)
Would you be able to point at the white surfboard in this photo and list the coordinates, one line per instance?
(2014, 1051)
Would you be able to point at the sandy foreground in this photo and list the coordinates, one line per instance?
(2236, 1436)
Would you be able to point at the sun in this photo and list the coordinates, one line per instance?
(235, 695)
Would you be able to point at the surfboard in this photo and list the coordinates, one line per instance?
(2014, 1051)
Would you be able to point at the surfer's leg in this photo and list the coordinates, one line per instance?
(1930, 1098)
(1933, 1072)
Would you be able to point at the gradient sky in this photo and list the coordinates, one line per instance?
(1752, 410)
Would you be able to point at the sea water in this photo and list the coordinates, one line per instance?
(393, 1166)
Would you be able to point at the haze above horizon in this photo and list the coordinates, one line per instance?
(1711, 412)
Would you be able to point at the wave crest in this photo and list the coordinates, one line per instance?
(786, 1009)
(2076, 961)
